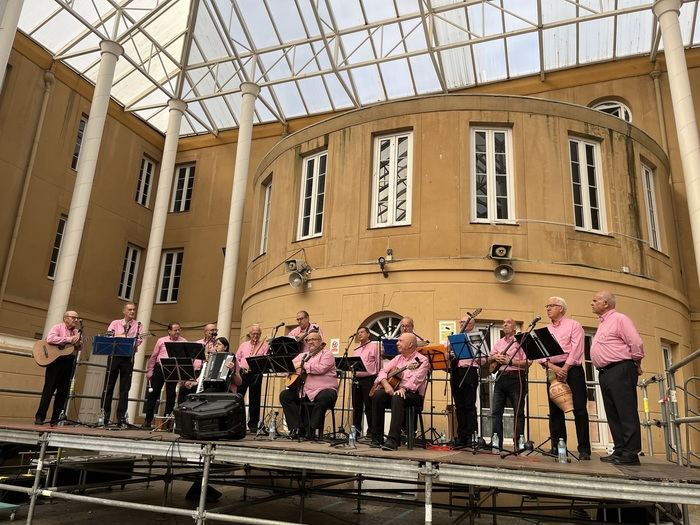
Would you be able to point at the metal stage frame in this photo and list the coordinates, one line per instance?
(472, 481)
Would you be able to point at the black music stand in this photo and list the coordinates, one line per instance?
(347, 364)
(283, 345)
(270, 364)
(389, 348)
(111, 346)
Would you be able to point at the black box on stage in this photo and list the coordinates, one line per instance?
(211, 415)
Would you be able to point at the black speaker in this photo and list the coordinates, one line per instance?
(210, 416)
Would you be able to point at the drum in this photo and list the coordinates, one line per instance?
(560, 394)
(163, 424)
(284, 345)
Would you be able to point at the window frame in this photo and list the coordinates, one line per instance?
(265, 223)
(78, 145)
(491, 175)
(393, 138)
(649, 186)
(170, 289)
(185, 203)
(57, 245)
(145, 184)
(611, 107)
(127, 281)
(315, 196)
(585, 188)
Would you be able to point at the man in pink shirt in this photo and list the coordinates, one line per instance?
(251, 383)
(568, 368)
(464, 383)
(305, 328)
(208, 342)
(209, 339)
(617, 352)
(120, 366)
(58, 374)
(319, 388)
(368, 352)
(409, 391)
(156, 379)
(511, 382)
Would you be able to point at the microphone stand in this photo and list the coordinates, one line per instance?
(341, 427)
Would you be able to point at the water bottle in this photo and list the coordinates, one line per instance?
(101, 419)
(475, 438)
(561, 451)
(521, 442)
(495, 444)
(352, 437)
(272, 431)
(442, 440)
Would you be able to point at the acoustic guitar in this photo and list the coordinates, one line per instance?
(45, 353)
(393, 377)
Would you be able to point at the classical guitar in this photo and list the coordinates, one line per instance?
(297, 379)
(393, 377)
(45, 353)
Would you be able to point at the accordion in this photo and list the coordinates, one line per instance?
(216, 375)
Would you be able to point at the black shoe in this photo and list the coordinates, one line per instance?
(38, 421)
(584, 456)
(147, 425)
(390, 444)
(609, 458)
(458, 442)
(622, 460)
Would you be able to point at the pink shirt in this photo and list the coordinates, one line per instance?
(569, 335)
(513, 351)
(320, 370)
(133, 328)
(246, 349)
(369, 354)
(616, 340)
(60, 334)
(159, 352)
(413, 380)
(313, 327)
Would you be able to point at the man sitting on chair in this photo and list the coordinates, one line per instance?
(319, 385)
(408, 392)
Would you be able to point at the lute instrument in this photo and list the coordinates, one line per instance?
(394, 377)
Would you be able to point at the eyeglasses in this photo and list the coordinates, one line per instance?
(300, 318)
(551, 305)
(72, 317)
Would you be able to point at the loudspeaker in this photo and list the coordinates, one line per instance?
(211, 416)
(504, 273)
(500, 251)
(291, 265)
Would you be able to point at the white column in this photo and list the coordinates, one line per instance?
(240, 182)
(151, 269)
(8, 29)
(68, 257)
(684, 113)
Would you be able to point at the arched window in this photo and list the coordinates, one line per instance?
(614, 108)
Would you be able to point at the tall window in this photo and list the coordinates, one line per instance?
(182, 188)
(650, 199)
(493, 180)
(143, 186)
(129, 269)
(313, 193)
(78, 142)
(56, 251)
(170, 271)
(265, 218)
(391, 180)
(588, 203)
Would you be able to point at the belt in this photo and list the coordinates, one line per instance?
(613, 365)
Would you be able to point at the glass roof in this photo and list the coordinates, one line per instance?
(316, 56)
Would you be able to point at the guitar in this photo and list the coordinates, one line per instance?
(297, 379)
(393, 377)
(45, 353)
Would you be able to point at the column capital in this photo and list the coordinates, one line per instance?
(175, 104)
(250, 88)
(111, 47)
(663, 6)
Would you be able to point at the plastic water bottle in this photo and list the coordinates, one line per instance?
(561, 451)
(495, 444)
(101, 419)
(352, 437)
(521, 442)
(272, 430)
(442, 440)
(475, 438)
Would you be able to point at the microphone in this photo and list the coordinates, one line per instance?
(536, 320)
(280, 324)
(488, 327)
(417, 360)
(352, 335)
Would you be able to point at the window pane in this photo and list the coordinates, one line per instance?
(392, 198)
(383, 182)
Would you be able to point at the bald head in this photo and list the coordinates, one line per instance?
(407, 344)
(602, 302)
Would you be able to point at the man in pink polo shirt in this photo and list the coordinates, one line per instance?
(409, 391)
(617, 352)
(464, 383)
(305, 328)
(568, 368)
(320, 388)
(368, 352)
(251, 383)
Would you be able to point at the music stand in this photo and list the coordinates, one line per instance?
(184, 349)
(389, 348)
(111, 346)
(460, 346)
(283, 345)
(270, 364)
(347, 364)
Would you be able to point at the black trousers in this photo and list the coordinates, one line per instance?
(57, 378)
(252, 383)
(361, 402)
(619, 386)
(157, 382)
(513, 387)
(311, 418)
(118, 367)
(464, 382)
(380, 402)
(576, 379)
